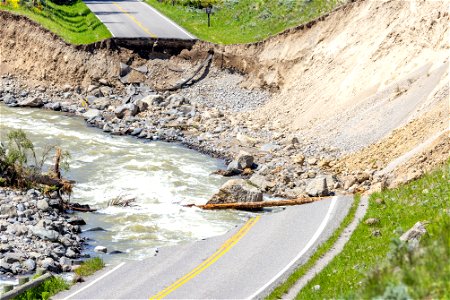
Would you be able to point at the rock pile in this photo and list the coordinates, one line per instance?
(34, 233)
(277, 161)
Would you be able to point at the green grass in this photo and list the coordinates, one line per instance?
(55, 285)
(244, 21)
(381, 266)
(75, 23)
(90, 266)
(282, 289)
(45, 290)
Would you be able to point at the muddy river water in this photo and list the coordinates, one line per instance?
(160, 175)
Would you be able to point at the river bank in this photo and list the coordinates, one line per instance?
(165, 175)
(37, 233)
(284, 167)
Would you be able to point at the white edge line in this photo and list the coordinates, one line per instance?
(302, 252)
(167, 19)
(95, 281)
(100, 19)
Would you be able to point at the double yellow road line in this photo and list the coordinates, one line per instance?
(211, 260)
(145, 29)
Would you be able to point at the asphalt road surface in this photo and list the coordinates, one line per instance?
(245, 263)
(135, 19)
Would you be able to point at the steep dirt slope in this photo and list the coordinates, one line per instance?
(376, 60)
(351, 78)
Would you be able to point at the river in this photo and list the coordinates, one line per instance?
(160, 175)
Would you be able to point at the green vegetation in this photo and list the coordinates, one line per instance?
(22, 167)
(379, 266)
(324, 248)
(90, 266)
(73, 21)
(45, 290)
(242, 21)
(55, 284)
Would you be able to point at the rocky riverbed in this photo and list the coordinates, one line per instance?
(36, 233)
(283, 164)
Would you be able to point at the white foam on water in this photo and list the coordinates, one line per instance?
(159, 175)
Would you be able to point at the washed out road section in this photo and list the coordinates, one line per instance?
(256, 259)
(136, 19)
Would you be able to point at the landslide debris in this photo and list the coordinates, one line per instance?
(337, 98)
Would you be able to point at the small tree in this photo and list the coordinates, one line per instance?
(15, 157)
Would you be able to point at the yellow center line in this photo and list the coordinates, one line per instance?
(135, 21)
(211, 260)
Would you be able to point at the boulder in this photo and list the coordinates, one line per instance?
(42, 205)
(45, 234)
(298, 159)
(9, 99)
(31, 102)
(150, 100)
(176, 100)
(101, 249)
(245, 160)
(233, 168)
(49, 264)
(261, 182)
(237, 190)
(29, 265)
(317, 187)
(76, 220)
(101, 103)
(415, 233)
(13, 257)
(91, 113)
(126, 110)
(8, 209)
(71, 253)
(124, 69)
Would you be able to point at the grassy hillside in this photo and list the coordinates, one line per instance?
(75, 23)
(243, 21)
(376, 264)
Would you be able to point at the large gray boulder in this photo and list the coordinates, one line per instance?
(415, 233)
(261, 182)
(317, 187)
(237, 190)
(150, 100)
(45, 234)
(8, 209)
(126, 110)
(245, 160)
(31, 102)
(9, 99)
(176, 100)
(42, 205)
(91, 113)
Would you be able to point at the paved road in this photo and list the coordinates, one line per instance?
(245, 263)
(135, 19)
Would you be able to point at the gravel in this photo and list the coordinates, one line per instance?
(223, 90)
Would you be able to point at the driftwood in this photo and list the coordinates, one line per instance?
(78, 207)
(180, 84)
(50, 181)
(57, 162)
(121, 201)
(259, 205)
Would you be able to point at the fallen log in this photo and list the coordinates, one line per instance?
(259, 205)
(47, 180)
(78, 207)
